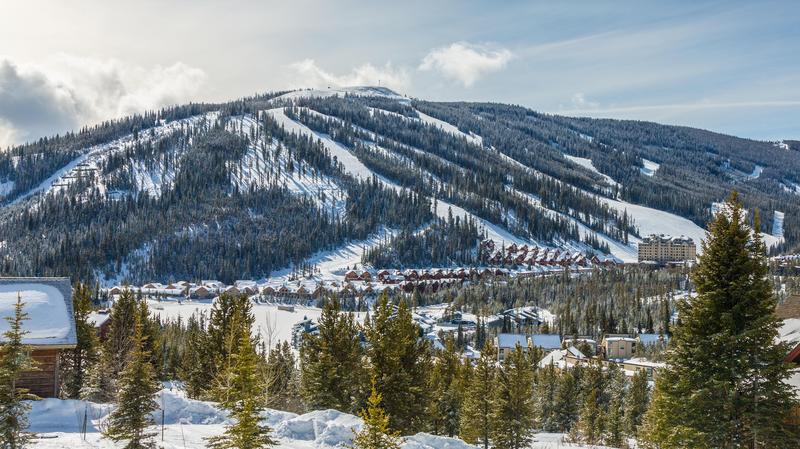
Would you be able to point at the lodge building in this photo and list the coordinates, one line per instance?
(50, 326)
(664, 249)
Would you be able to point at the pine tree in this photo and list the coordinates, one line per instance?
(375, 434)
(245, 400)
(136, 398)
(475, 426)
(514, 411)
(121, 329)
(724, 383)
(614, 429)
(546, 393)
(636, 402)
(332, 368)
(282, 380)
(446, 394)
(78, 361)
(567, 402)
(197, 361)
(400, 361)
(15, 358)
(589, 428)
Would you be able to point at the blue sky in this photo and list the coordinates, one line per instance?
(731, 67)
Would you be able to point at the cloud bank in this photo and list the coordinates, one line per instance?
(307, 73)
(67, 92)
(465, 62)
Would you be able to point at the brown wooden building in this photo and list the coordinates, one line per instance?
(50, 327)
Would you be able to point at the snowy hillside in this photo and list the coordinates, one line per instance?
(339, 153)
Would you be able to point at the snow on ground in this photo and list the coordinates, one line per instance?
(449, 128)
(777, 224)
(6, 188)
(272, 324)
(333, 264)
(790, 330)
(589, 165)
(93, 155)
(756, 172)
(654, 221)
(187, 423)
(351, 163)
(791, 187)
(618, 249)
(256, 168)
(493, 231)
(650, 168)
(342, 91)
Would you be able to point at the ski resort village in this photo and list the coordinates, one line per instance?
(399, 225)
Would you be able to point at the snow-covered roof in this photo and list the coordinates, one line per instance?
(647, 339)
(48, 303)
(97, 319)
(511, 340)
(546, 341)
(575, 352)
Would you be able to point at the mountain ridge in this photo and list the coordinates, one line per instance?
(276, 178)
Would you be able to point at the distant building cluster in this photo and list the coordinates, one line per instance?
(567, 352)
(539, 257)
(664, 249)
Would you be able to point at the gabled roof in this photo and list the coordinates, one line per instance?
(794, 355)
(48, 303)
(511, 340)
(546, 341)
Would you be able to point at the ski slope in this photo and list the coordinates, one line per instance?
(650, 168)
(589, 165)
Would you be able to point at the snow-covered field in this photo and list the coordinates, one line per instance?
(650, 168)
(187, 423)
(272, 324)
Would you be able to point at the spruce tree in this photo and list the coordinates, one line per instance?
(446, 395)
(245, 400)
(376, 433)
(567, 401)
(400, 362)
(724, 383)
(476, 413)
(282, 380)
(590, 425)
(15, 358)
(514, 411)
(546, 394)
(332, 365)
(636, 402)
(136, 398)
(78, 361)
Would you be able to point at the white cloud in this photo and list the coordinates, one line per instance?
(66, 92)
(465, 62)
(307, 73)
(579, 101)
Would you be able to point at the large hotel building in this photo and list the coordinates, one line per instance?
(666, 249)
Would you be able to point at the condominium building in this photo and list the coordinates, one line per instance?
(667, 249)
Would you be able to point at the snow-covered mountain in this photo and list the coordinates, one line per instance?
(262, 184)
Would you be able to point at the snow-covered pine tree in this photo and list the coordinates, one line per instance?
(136, 398)
(14, 359)
(724, 384)
(375, 434)
(245, 400)
(476, 419)
(514, 412)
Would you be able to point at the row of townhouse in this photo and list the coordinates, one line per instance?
(539, 256)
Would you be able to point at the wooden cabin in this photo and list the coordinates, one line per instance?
(51, 326)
